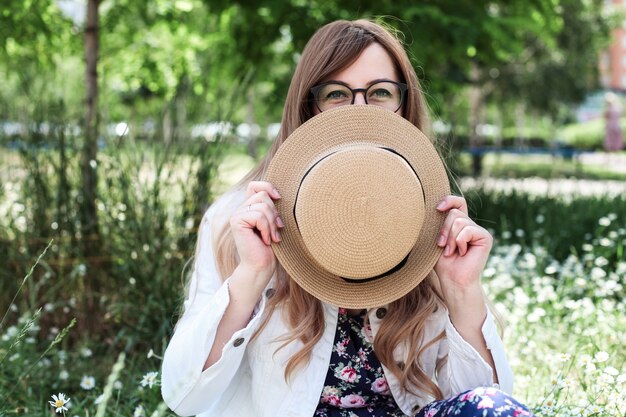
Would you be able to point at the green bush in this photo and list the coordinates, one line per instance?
(587, 135)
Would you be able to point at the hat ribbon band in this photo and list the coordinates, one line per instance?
(384, 274)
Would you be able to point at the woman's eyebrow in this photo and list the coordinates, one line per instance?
(377, 80)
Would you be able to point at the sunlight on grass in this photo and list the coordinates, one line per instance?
(233, 168)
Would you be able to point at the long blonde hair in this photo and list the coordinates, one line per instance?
(332, 48)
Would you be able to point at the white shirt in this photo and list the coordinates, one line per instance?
(248, 379)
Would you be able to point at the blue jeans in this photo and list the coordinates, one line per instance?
(483, 402)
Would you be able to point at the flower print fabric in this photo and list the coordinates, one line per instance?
(355, 385)
(481, 401)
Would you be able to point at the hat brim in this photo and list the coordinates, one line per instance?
(326, 133)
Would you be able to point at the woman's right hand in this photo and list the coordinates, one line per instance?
(255, 225)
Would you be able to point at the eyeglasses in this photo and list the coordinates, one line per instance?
(387, 94)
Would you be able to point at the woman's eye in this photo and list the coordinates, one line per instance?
(381, 93)
(336, 94)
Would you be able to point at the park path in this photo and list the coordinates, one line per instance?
(557, 187)
(613, 161)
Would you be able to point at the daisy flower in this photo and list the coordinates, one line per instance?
(85, 352)
(87, 382)
(149, 379)
(60, 403)
(139, 411)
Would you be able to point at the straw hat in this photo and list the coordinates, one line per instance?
(359, 186)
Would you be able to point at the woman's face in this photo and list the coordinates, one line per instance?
(373, 65)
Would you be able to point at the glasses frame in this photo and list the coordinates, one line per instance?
(402, 86)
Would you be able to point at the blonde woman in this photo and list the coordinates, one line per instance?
(252, 342)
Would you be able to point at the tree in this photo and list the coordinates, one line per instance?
(91, 242)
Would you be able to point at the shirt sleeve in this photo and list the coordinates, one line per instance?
(185, 387)
(464, 369)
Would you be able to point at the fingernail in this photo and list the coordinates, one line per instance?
(446, 251)
(276, 193)
(441, 240)
(280, 222)
(278, 237)
(441, 204)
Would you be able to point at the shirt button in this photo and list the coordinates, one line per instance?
(270, 292)
(416, 408)
(238, 341)
(400, 365)
(381, 312)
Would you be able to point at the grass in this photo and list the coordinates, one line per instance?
(557, 271)
(543, 166)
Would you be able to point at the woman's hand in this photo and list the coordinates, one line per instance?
(466, 246)
(466, 249)
(255, 225)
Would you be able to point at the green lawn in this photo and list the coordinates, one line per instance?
(557, 274)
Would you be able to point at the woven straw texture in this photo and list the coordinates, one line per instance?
(352, 208)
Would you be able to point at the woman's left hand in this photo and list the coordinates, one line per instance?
(466, 246)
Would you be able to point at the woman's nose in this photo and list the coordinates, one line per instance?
(359, 98)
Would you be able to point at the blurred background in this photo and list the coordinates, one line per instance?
(120, 122)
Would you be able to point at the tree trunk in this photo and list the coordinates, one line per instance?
(89, 217)
(475, 119)
(253, 139)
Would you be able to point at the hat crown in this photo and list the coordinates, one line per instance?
(359, 210)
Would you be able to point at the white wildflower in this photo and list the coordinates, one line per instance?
(60, 403)
(87, 382)
(149, 379)
(601, 356)
(606, 379)
(139, 411)
(601, 261)
(597, 273)
(536, 315)
(564, 357)
(587, 247)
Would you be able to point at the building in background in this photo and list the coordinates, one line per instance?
(612, 68)
(613, 60)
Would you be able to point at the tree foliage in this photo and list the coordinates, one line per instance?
(184, 56)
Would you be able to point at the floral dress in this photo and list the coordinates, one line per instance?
(355, 384)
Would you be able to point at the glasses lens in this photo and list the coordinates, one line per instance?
(385, 94)
(333, 95)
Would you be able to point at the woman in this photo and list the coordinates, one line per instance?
(251, 342)
(613, 137)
